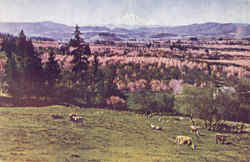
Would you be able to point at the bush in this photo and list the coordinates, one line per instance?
(244, 113)
(147, 101)
(243, 89)
(211, 105)
(116, 102)
(199, 103)
(227, 105)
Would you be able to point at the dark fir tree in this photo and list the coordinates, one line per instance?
(96, 84)
(76, 41)
(24, 68)
(9, 47)
(80, 52)
(52, 73)
(30, 66)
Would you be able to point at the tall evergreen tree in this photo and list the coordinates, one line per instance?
(9, 46)
(24, 68)
(80, 52)
(95, 95)
(76, 41)
(30, 66)
(52, 73)
(81, 76)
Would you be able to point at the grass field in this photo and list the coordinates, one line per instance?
(31, 134)
(2, 55)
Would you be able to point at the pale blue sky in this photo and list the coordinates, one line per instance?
(97, 12)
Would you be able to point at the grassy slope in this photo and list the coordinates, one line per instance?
(32, 134)
(2, 55)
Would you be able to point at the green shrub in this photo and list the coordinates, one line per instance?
(244, 113)
(211, 105)
(147, 101)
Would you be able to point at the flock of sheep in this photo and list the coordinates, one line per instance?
(220, 138)
(182, 140)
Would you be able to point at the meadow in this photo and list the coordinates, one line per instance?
(32, 134)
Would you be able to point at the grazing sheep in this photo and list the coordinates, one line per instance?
(183, 140)
(148, 115)
(153, 126)
(220, 138)
(181, 118)
(246, 130)
(195, 130)
(75, 117)
(156, 127)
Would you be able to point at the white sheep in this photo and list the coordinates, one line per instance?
(74, 117)
(183, 140)
(220, 138)
(195, 130)
(156, 127)
(153, 126)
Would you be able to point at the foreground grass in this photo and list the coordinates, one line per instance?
(31, 134)
(2, 54)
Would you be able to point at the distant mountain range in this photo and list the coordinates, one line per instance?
(124, 32)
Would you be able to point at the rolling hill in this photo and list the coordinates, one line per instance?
(64, 32)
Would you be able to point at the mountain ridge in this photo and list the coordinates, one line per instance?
(60, 31)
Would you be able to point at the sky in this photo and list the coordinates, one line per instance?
(130, 12)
